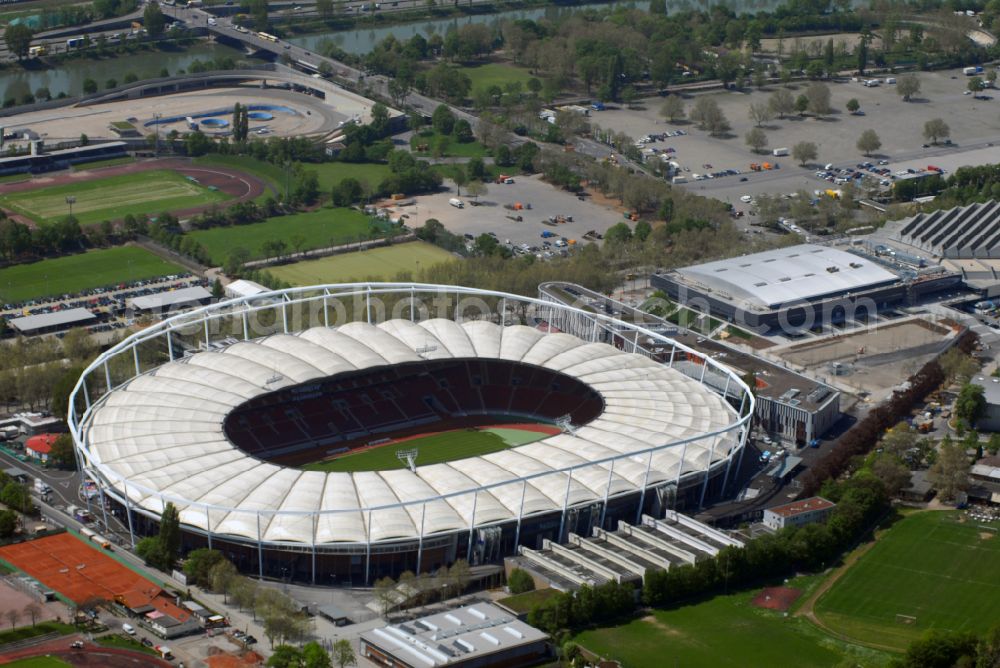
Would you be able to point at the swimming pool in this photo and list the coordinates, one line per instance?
(260, 116)
(215, 123)
(253, 109)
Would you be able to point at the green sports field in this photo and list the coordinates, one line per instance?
(496, 74)
(316, 229)
(432, 449)
(724, 632)
(927, 566)
(74, 273)
(383, 263)
(112, 198)
(38, 662)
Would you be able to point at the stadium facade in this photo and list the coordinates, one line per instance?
(189, 413)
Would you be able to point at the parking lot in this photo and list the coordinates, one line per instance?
(490, 215)
(973, 123)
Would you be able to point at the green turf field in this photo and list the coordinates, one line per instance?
(112, 198)
(331, 173)
(927, 566)
(38, 662)
(73, 273)
(724, 632)
(433, 449)
(382, 264)
(455, 149)
(316, 229)
(496, 74)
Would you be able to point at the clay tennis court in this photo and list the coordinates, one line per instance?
(776, 598)
(66, 564)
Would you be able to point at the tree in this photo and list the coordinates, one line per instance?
(804, 152)
(89, 86)
(199, 563)
(324, 8)
(936, 129)
(385, 593)
(170, 536)
(941, 649)
(314, 656)
(868, 142)
(61, 454)
(153, 19)
(907, 86)
(13, 616)
(894, 474)
(950, 472)
(618, 233)
(460, 179)
(970, 404)
(760, 113)
(673, 108)
(819, 98)
(781, 102)
(443, 120)
(975, 86)
(707, 114)
(285, 656)
(801, 104)
(853, 105)
(475, 189)
(520, 581)
(343, 653)
(8, 523)
(33, 611)
(756, 139)
(222, 577)
(18, 39)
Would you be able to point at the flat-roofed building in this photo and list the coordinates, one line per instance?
(172, 300)
(798, 513)
(475, 636)
(53, 322)
(786, 288)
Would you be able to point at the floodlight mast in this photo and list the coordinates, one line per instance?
(408, 457)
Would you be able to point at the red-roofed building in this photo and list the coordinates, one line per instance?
(39, 447)
(797, 513)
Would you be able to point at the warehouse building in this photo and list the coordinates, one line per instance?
(798, 513)
(55, 321)
(480, 636)
(787, 289)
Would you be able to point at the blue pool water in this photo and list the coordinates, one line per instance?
(215, 123)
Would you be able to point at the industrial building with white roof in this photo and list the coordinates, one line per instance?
(217, 433)
(798, 286)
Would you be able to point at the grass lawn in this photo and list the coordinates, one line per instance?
(472, 149)
(332, 173)
(927, 566)
(38, 662)
(523, 603)
(39, 629)
(125, 643)
(113, 198)
(265, 171)
(74, 273)
(498, 74)
(98, 164)
(382, 263)
(433, 449)
(316, 229)
(725, 631)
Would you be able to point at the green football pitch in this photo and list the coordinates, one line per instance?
(929, 571)
(112, 198)
(383, 263)
(73, 273)
(431, 449)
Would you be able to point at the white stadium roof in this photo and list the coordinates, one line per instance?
(776, 277)
(162, 434)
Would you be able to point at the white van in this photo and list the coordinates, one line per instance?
(127, 628)
(457, 203)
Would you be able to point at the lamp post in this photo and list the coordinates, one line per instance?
(70, 200)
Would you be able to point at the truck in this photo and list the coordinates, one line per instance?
(42, 487)
(779, 152)
(457, 203)
(73, 42)
(37, 51)
(677, 180)
(79, 514)
(547, 233)
(969, 71)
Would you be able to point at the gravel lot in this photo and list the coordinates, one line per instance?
(974, 124)
(491, 216)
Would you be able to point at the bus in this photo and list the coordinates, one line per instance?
(267, 37)
(74, 42)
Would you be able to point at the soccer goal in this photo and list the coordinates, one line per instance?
(408, 457)
(907, 620)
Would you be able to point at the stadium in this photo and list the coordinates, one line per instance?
(226, 411)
